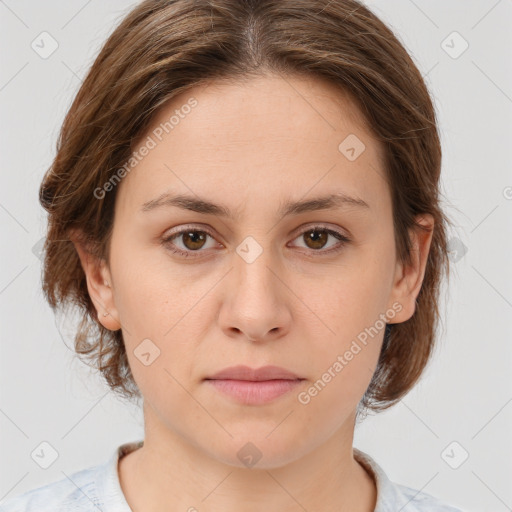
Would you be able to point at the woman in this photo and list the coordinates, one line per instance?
(248, 196)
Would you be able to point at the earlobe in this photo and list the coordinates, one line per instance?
(409, 278)
(99, 285)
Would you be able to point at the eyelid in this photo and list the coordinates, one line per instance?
(321, 225)
(182, 228)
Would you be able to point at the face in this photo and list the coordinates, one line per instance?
(254, 280)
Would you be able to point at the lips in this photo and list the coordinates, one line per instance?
(254, 374)
(251, 386)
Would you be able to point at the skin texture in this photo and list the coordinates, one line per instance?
(250, 146)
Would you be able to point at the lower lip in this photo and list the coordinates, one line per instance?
(253, 393)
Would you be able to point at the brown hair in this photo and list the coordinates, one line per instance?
(162, 48)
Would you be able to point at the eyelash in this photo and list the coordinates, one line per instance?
(336, 234)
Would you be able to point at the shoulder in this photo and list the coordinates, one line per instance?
(417, 501)
(87, 490)
(392, 496)
(76, 492)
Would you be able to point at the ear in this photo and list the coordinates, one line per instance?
(409, 278)
(99, 285)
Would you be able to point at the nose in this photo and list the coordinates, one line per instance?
(256, 304)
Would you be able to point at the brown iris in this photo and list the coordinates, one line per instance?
(318, 237)
(196, 239)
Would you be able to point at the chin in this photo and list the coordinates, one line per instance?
(258, 450)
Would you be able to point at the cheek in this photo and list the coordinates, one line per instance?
(351, 306)
(158, 302)
(355, 296)
(344, 358)
(334, 395)
(151, 293)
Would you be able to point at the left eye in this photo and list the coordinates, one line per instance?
(194, 239)
(317, 236)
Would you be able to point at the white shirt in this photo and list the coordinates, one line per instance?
(97, 489)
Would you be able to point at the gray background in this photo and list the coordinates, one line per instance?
(466, 394)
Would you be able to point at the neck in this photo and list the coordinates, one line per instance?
(169, 473)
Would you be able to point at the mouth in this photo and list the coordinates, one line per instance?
(254, 386)
(254, 392)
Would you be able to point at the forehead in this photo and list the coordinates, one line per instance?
(257, 138)
(265, 107)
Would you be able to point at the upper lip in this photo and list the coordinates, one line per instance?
(254, 374)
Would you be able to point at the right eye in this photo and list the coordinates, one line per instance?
(192, 240)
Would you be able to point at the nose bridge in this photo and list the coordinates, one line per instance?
(255, 304)
(252, 266)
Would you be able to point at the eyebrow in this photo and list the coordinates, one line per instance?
(199, 205)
